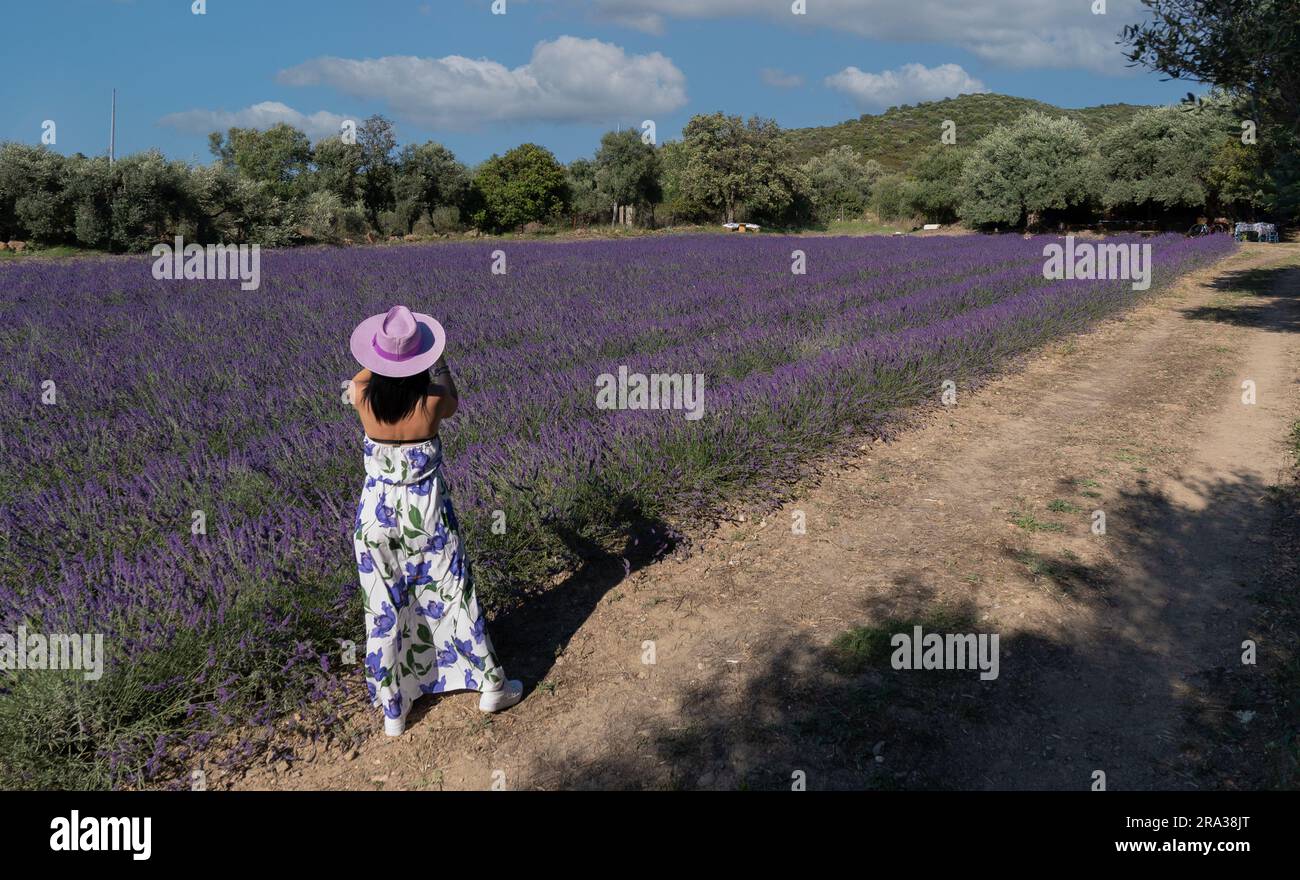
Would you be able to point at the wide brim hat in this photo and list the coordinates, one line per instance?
(398, 342)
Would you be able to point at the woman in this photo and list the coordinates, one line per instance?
(425, 633)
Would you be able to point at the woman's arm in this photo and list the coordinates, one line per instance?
(444, 388)
(354, 387)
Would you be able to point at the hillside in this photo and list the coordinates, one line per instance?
(897, 136)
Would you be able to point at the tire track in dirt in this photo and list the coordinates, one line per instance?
(1112, 645)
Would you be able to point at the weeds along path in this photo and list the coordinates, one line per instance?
(1120, 652)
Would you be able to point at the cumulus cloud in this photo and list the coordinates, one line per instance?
(261, 116)
(908, 84)
(1013, 33)
(779, 79)
(566, 80)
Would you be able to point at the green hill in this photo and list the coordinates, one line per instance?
(898, 136)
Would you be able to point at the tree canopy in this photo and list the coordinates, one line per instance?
(1021, 171)
(525, 185)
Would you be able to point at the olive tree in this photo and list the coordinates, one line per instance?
(1018, 172)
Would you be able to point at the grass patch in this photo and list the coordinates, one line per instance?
(1030, 523)
(856, 650)
(58, 251)
(863, 227)
(1040, 566)
(1066, 572)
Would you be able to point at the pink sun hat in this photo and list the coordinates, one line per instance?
(398, 343)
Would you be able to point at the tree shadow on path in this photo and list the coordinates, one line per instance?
(1148, 692)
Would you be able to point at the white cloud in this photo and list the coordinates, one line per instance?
(262, 116)
(779, 79)
(1012, 33)
(646, 23)
(906, 85)
(566, 80)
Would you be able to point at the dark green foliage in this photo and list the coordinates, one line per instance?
(1250, 47)
(937, 181)
(734, 164)
(377, 141)
(586, 202)
(1021, 172)
(626, 170)
(894, 197)
(428, 177)
(840, 183)
(1158, 160)
(278, 156)
(338, 169)
(525, 185)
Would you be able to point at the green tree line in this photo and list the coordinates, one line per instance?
(1160, 165)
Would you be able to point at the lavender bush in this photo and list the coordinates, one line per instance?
(183, 396)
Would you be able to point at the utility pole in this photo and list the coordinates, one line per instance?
(112, 131)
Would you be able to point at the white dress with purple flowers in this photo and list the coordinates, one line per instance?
(425, 633)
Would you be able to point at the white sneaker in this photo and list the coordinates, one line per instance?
(503, 697)
(394, 726)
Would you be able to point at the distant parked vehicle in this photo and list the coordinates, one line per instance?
(741, 227)
(1266, 232)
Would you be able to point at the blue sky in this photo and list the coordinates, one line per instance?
(555, 72)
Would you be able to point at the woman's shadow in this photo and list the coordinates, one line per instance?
(529, 635)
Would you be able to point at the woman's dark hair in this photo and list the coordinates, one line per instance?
(392, 400)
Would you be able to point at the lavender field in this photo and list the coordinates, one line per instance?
(180, 396)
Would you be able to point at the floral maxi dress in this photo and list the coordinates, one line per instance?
(425, 632)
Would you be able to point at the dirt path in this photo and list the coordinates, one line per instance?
(1120, 652)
